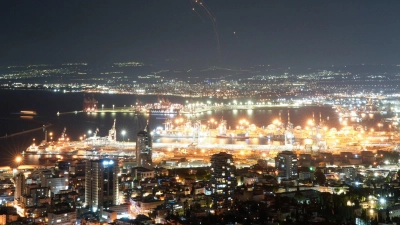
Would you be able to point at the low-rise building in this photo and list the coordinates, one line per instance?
(305, 175)
(62, 218)
(142, 173)
(144, 205)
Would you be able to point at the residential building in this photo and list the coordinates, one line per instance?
(144, 148)
(19, 187)
(286, 165)
(141, 173)
(62, 217)
(223, 179)
(101, 184)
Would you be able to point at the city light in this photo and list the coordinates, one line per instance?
(272, 118)
(123, 132)
(18, 159)
(110, 162)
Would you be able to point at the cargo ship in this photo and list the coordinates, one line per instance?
(163, 106)
(233, 137)
(164, 111)
(222, 132)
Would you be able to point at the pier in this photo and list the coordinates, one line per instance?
(190, 110)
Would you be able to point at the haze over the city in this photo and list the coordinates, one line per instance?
(280, 33)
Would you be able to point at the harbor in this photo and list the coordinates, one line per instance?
(252, 130)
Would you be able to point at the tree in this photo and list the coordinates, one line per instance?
(364, 215)
(299, 197)
(153, 214)
(319, 177)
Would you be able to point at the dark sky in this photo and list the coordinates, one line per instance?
(277, 32)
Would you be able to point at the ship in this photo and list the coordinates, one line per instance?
(222, 132)
(223, 136)
(238, 137)
(164, 106)
(241, 136)
(180, 128)
(162, 111)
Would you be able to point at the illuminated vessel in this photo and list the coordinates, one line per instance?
(223, 136)
(222, 132)
(239, 137)
(163, 106)
(161, 111)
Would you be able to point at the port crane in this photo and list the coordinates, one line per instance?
(95, 133)
(63, 134)
(112, 133)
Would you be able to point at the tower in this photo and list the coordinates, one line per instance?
(101, 184)
(144, 148)
(19, 187)
(223, 179)
(286, 165)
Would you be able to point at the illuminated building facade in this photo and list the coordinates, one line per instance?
(62, 217)
(286, 165)
(19, 187)
(144, 148)
(101, 184)
(223, 179)
(62, 168)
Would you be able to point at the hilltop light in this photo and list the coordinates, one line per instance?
(18, 159)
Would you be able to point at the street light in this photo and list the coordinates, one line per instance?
(178, 121)
(211, 121)
(379, 126)
(243, 122)
(113, 107)
(123, 135)
(89, 132)
(18, 159)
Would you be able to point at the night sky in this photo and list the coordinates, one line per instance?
(250, 32)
